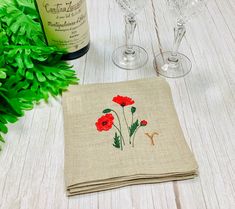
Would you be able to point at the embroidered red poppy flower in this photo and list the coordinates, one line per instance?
(123, 101)
(143, 123)
(105, 122)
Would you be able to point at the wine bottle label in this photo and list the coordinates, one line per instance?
(65, 23)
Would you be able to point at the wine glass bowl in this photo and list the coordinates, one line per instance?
(130, 56)
(131, 7)
(186, 9)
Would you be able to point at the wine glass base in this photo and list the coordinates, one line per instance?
(169, 69)
(131, 61)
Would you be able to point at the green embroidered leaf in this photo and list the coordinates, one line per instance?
(133, 109)
(117, 142)
(107, 110)
(133, 128)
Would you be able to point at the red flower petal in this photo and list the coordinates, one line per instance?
(123, 100)
(105, 122)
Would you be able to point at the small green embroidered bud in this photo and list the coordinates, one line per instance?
(133, 109)
(107, 110)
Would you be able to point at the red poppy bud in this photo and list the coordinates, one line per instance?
(143, 123)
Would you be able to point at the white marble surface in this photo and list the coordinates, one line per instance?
(31, 163)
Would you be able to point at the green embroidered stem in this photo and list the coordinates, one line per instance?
(119, 126)
(132, 118)
(120, 135)
(133, 142)
(126, 124)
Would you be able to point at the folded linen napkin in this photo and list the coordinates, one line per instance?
(120, 134)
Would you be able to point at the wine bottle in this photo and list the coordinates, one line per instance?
(65, 25)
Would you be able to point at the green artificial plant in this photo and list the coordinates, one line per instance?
(29, 69)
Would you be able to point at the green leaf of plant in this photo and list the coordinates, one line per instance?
(28, 62)
(41, 77)
(3, 128)
(29, 75)
(50, 77)
(133, 128)
(3, 75)
(2, 140)
(12, 103)
(2, 119)
(29, 69)
(10, 118)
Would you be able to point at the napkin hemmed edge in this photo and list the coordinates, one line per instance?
(108, 186)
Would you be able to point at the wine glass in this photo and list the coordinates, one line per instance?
(172, 64)
(129, 56)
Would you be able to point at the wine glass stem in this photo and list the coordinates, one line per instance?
(129, 32)
(179, 32)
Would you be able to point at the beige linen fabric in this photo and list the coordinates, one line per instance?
(93, 164)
